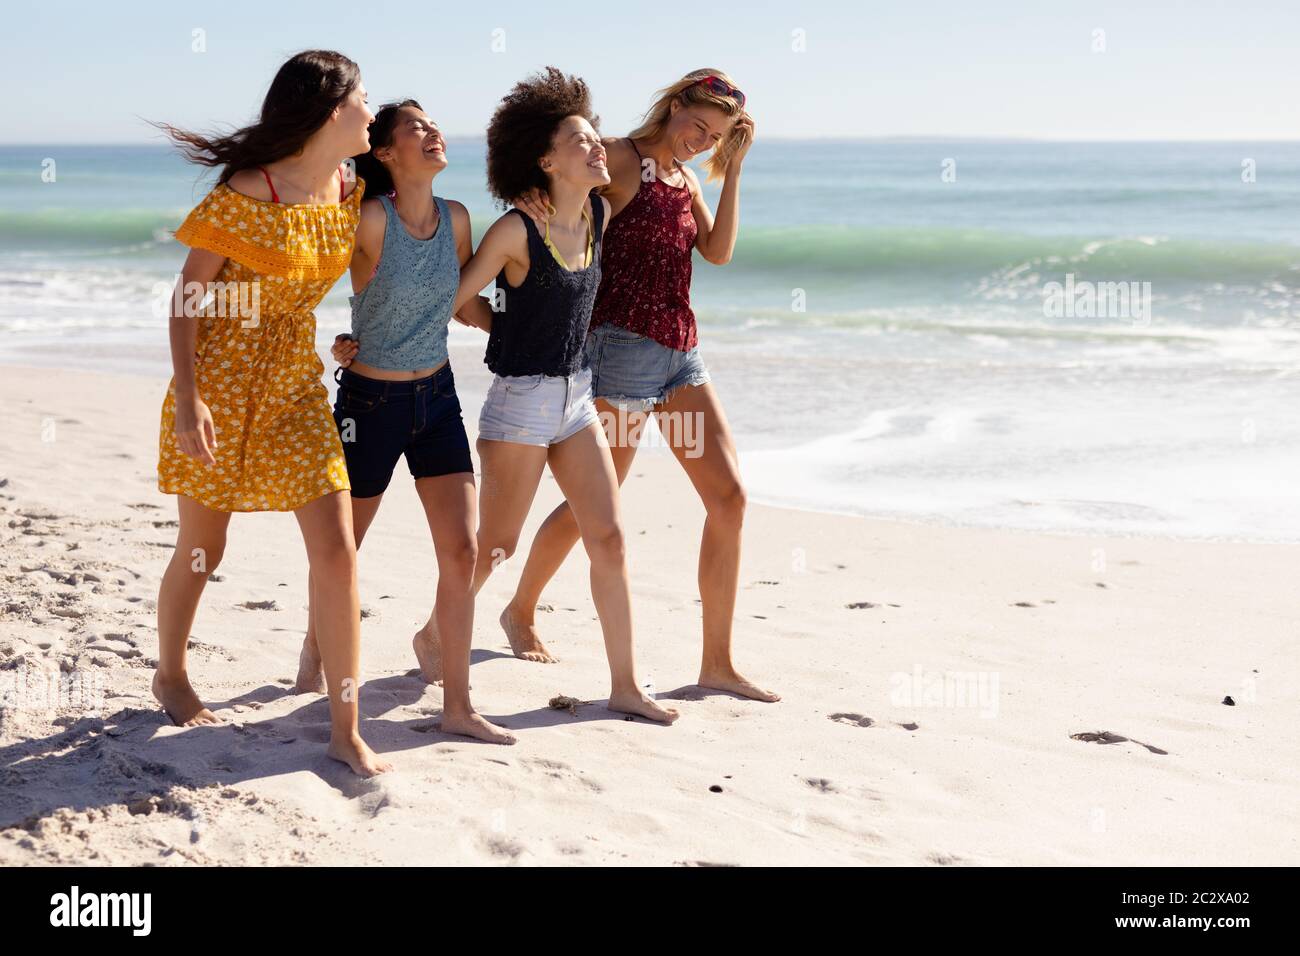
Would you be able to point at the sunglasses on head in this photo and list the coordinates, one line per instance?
(722, 88)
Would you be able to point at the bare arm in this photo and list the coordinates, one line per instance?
(195, 432)
(504, 244)
(477, 312)
(716, 240)
(367, 247)
(369, 243)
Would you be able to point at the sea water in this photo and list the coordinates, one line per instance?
(1066, 336)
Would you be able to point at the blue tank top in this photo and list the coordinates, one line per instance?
(401, 316)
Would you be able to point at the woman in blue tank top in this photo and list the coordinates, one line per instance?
(397, 396)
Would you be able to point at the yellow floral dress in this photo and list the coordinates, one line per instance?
(256, 368)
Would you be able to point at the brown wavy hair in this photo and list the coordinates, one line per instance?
(689, 93)
(524, 125)
(304, 93)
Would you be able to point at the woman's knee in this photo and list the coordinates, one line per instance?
(333, 561)
(457, 559)
(202, 556)
(728, 503)
(606, 543)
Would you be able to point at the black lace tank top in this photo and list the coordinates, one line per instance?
(542, 325)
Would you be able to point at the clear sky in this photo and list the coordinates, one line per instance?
(1171, 69)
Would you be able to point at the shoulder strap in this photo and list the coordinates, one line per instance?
(444, 220)
(390, 216)
(269, 185)
(631, 142)
(597, 217)
(529, 226)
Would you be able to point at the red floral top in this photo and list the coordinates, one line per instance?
(645, 284)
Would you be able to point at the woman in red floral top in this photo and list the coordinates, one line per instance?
(642, 345)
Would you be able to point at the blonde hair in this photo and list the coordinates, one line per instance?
(689, 92)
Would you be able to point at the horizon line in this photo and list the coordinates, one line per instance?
(827, 138)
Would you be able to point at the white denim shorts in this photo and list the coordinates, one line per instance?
(537, 409)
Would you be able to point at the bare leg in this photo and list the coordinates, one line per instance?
(585, 473)
(311, 679)
(552, 544)
(326, 525)
(200, 543)
(701, 441)
(450, 510)
(511, 474)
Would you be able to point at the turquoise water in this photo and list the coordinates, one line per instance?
(880, 338)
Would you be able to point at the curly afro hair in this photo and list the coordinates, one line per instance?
(523, 127)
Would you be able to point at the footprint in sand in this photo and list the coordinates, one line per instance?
(943, 859)
(110, 644)
(259, 605)
(704, 863)
(1106, 737)
(856, 720)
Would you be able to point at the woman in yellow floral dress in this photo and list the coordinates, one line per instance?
(246, 424)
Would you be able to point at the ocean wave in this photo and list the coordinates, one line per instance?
(997, 257)
(95, 231)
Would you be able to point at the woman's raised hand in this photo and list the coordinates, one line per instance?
(535, 204)
(744, 132)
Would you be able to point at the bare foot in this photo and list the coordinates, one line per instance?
(428, 652)
(727, 679)
(353, 751)
(311, 679)
(181, 704)
(523, 638)
(635, 702)
(472, 725)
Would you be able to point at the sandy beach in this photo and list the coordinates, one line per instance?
(933, 679)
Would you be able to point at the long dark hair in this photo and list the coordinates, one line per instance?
(379, 181)
(304, 93)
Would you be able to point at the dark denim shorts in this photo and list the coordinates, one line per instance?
(380, 422)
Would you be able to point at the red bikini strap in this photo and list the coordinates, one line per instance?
(270, 185)
(343, 184)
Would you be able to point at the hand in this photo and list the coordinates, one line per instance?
(535, 204)
(195, 433)
(344, 349)
(744, 132)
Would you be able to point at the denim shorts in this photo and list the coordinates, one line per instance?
(634, 371)
(380, 422)
(537, 409)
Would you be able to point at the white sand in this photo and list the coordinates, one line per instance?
(829, 775)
